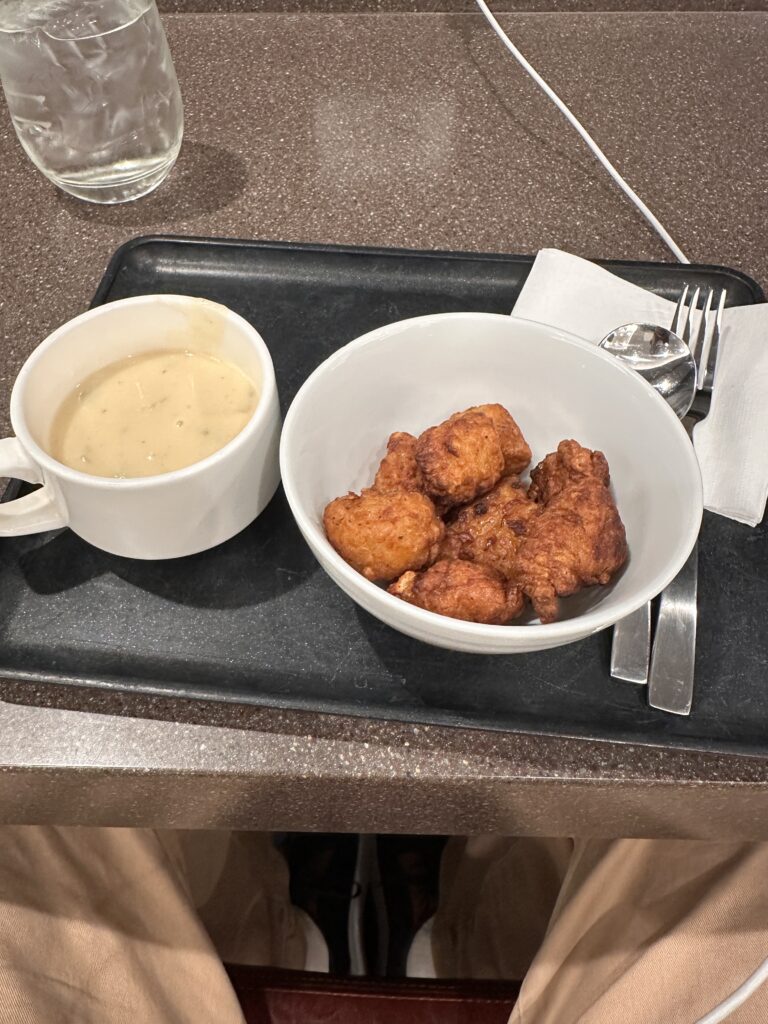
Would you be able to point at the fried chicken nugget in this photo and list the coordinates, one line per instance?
(514, 447)
(382, 535)
(569, 463)
(578, 540)
(461, 590)
(460, 458)
(399, 468)
(490, 530)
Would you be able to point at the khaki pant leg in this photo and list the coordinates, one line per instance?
(239, 884)
(98, 927)
(496, 897)
(652, 932)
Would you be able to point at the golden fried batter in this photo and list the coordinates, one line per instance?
(460, 458)
(461, 590)
(569, 463)
(502, 544)
(514, 447)
(491, 529)
(384, 534)
(399, 469)
(578, 540)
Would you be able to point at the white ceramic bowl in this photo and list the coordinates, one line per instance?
(412, 374)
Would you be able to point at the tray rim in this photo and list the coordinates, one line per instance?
(443, 718)
(119, 255)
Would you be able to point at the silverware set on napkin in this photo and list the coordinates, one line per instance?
(679, 363)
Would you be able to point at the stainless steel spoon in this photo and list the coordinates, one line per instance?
(661, 357)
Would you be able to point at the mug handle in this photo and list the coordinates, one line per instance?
(35, 512)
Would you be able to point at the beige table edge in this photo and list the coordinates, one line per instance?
(70, 767)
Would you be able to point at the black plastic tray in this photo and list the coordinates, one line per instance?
(257, 620)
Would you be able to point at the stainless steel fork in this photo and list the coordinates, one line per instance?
(673, 661)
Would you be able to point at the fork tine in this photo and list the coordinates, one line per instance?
(714, 344)
(699, 348)
(688, 324)
(679, 309)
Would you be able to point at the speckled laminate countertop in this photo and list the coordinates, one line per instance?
(405, 130)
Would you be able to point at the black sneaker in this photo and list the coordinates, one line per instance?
(409, 874)
(322, 883)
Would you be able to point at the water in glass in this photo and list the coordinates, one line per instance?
(92, 93)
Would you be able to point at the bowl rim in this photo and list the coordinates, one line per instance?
(591, 621)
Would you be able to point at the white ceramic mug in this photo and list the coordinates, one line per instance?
(164, 516)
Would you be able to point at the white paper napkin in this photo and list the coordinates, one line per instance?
(732, 442)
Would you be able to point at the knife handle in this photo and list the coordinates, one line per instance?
(670, 683)
(631, 646)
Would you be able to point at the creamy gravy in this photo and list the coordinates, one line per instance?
(152, 413)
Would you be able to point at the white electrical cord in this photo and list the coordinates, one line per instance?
(735, 999)
(656, 224)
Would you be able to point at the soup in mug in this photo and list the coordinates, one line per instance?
(152, 413)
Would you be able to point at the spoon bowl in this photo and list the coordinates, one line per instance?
(660, 357)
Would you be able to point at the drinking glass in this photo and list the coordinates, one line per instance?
(92, 93)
